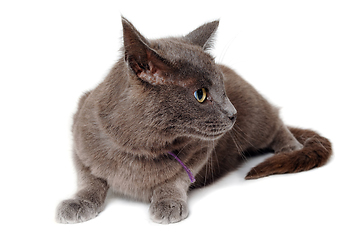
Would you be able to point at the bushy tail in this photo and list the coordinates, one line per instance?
(315, 153)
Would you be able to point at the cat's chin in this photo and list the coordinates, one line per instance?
(215, 134)
(211, 138)
(208, 136)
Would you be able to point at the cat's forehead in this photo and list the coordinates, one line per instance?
(178, 49)
(191, 61)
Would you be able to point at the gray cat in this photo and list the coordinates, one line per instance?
(167, 115)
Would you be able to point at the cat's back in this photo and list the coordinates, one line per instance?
(239, 91)
(255, 115)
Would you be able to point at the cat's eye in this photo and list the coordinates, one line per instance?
(200, 95)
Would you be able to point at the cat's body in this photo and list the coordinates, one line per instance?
(127, 130)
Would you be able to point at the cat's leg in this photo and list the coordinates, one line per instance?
(169, 202)
(283, 143)
(88, 202)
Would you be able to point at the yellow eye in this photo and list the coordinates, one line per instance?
(200, 95)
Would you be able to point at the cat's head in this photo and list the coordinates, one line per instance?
(177, 84)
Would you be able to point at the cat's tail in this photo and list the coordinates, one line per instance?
(316, 152)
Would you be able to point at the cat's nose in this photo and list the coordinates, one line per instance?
(232, 117)
(230, 111)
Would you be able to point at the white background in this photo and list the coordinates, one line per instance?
(304, 56)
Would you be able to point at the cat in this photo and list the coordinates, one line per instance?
(168, 119)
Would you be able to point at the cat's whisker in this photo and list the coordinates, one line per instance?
(181, 149)
(237, 129)
(238, 147)
(217, 159)
(226, 48)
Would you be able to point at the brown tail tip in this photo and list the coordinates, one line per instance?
(315, 153)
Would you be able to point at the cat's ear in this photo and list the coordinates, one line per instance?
(142, 59)
(203, 36)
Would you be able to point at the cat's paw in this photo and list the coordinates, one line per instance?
(168, 211)
(76, 211)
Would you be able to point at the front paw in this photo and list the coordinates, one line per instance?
(76, 211)
(168, 211)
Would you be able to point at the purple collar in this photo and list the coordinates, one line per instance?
(191, 176)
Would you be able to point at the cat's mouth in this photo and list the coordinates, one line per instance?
(213, 136)
(210, 133)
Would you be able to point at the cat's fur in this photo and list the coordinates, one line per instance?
(125, 128)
